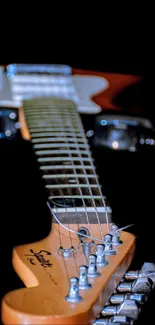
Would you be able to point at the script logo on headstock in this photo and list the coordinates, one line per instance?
(40, 257)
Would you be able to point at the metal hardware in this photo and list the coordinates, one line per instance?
(100, 261)
(118, 319)
(115, 235)
(83, 231)
(119, 298)
(108, 245)
(147, 270)
(83, 278)
(67, 252)
(127, 308)
(140, 285)
(92, 269)
(73, 295)
(87, 246)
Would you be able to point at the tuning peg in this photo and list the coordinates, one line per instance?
(92, 268)
(83, 278)
(119, 298)
(114, 320)
(140, 285)
(100, 261)
(108, 245)
(73, 295)
(127, 308)
(115, 235)
(147, 270)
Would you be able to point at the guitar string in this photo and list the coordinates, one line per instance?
(61, 192)
(83, 201)
(90, 190)
(69, 189)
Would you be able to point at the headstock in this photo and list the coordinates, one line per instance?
(47, 273)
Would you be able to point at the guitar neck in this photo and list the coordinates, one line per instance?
(65, 160)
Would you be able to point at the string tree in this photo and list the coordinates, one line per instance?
(87, 246)
(66, 252)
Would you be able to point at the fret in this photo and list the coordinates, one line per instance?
(59, 139)
(63, 176)
(60, 145)
(65, 160)
(55, 129)
(78, 197)
(48, 123)
(54, 134)
(62, 152)
(61, 159)
(49, 115)
(71, 186)
(45, 112)
(66, 167)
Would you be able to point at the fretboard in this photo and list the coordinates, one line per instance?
(65, 160)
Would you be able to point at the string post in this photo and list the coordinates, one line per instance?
(115, 232)
(100, 261)
(92, 266)
(83, 278)
(108, 245)
(73, 295)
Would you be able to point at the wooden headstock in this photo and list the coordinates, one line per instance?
(46, 274)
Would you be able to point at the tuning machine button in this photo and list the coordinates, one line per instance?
(73, 295)
(140, 285)
(108, 245)
(100, 253)
(83, 278)
(147, 270)
(118, 319)
(92, 268)
(141, 298)
(128, 308)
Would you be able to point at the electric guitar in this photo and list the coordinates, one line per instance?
(71, 274)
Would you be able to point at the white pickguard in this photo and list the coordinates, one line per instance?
(78, 88)
(86, 87)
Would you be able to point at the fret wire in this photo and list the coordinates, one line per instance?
(52, 134)
(48, 159)
(71, 185)
(66, 167)
(52, 139)
(55, 128)
(68, 176)
(53, 145)
(59, 152)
